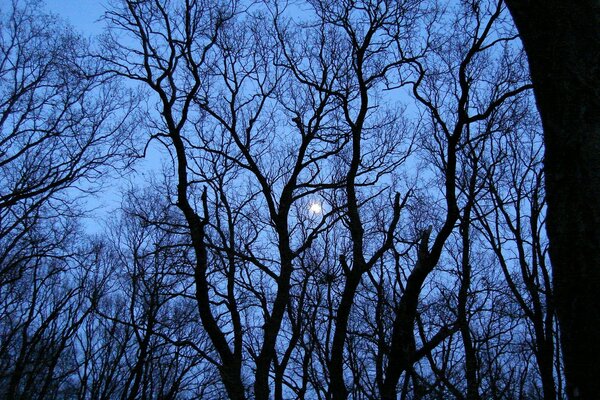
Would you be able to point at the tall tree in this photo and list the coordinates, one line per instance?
(61, 128)
(562, 41)
(273, 258)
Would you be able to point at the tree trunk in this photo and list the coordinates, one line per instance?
(562, 41)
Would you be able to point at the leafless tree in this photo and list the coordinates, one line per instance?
(565, 80)
(144, 340)
(61, 128)
(513, 221)
(350, 205)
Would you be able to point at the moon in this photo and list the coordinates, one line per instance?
(315, 208)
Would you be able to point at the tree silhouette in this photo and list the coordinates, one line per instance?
(350, 204)
(562, 44)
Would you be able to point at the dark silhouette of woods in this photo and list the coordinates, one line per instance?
(562, 40)
(350, 204)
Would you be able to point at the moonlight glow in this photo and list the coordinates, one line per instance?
(315, 208)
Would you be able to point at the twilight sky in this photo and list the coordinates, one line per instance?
(82, 14)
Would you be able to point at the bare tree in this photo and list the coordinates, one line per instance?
(257, 124)
(350, 206)
(455, 126)
(513, 221)
(565, 80)
(145, 323)
(61, 128)
(58, 126)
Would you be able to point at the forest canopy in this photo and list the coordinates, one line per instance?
(350, 204)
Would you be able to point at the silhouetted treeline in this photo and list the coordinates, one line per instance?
(350, 205)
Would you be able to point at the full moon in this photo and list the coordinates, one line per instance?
(316, 208)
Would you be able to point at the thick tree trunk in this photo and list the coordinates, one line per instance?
(562, 40)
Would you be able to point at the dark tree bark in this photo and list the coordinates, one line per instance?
(562, 40)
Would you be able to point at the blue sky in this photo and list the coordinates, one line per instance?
(82, 14)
